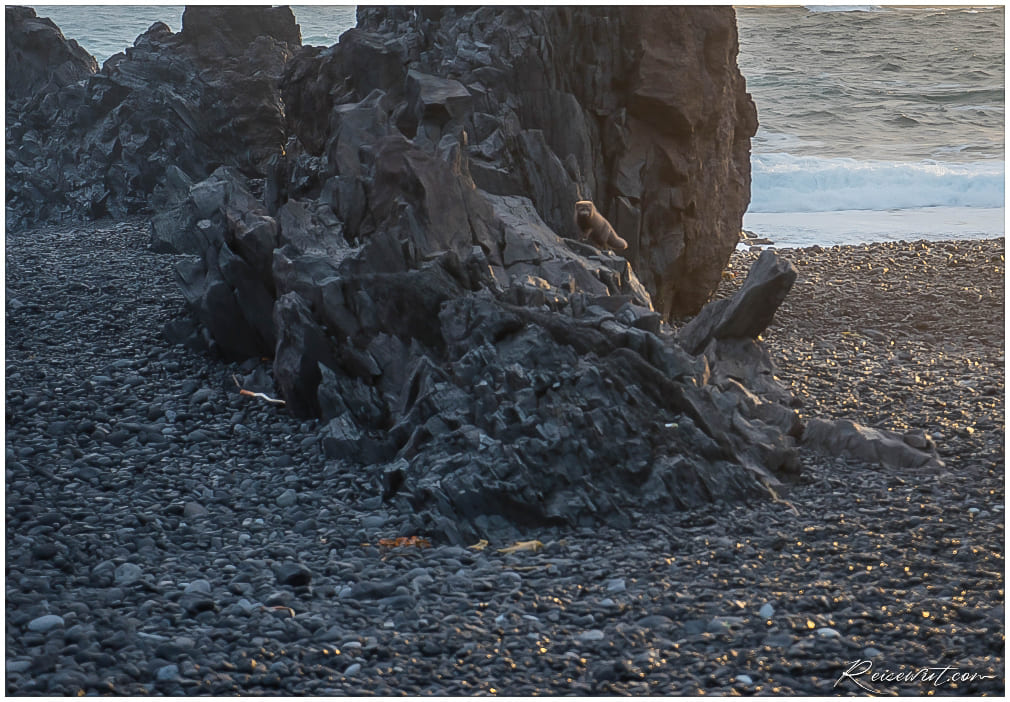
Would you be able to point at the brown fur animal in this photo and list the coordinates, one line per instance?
(594, 226)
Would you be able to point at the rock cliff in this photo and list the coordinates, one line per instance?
(640, 109)
(204, 97)
(38, 58)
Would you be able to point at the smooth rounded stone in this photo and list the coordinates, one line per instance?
(112, 596)
(655, 621)
(744, 679)
(172, 651)
(197, 436)
(509, 581)
(199, 586)
(279, 668)
(201, 396)
(17, 666)
(871, 652)
(766, 611)
(78, 633)
(827, 632)
(198, 603)
(352, 669)
(591, 635)
(246, 606)
(193, 510)
(167, 672)
(373, 521)
(115, 640)
(293, 574)
(616, 585)
(45, 623)
(400, 601)
(277, 599)
(287, 498)
(128, 573)
(45, 550)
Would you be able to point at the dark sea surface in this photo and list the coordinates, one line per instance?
(877, 123)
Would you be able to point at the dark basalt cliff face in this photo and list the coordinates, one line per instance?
(38, 58)
(640, 109)
(390, 219)
(204, 97)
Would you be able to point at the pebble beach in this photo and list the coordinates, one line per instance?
(168, 535)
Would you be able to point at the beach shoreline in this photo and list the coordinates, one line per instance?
(151, 526)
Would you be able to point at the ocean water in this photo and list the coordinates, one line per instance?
(104, 30)
(876, 123)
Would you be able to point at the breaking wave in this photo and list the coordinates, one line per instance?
(782, 182)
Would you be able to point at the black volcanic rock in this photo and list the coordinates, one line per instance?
(38, 58)
(641, 109)
(428, 303)
(193, 101)
(406, 257)
(748, 313)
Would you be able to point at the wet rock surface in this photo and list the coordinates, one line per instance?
(166, 535)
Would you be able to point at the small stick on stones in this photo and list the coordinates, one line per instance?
(260, 395)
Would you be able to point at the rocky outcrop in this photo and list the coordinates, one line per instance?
(428, 302)
(408, 259)
(489, 374)
(204, 97)
(641, 110)
(38, 58)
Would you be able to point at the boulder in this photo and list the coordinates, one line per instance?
(749, 311)
(888, 449)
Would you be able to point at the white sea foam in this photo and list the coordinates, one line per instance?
(843, 8)
(792, 229)
(782, 182)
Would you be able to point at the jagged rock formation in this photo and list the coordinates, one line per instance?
(407, 258)
(641, 110)
(485, 394)
(38, 58)
(204, 97)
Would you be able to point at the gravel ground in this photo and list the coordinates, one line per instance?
(166, 535)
